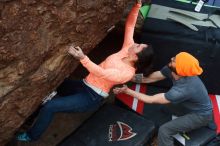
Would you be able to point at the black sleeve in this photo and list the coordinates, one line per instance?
(166, 72)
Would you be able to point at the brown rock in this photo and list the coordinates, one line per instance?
(34, 37)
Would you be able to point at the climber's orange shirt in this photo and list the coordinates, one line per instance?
(113, 70)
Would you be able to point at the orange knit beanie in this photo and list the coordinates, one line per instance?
(187, 65)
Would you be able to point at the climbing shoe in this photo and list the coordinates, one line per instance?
(23, 137)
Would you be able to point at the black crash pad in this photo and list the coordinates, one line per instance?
(157, 113)
(198, 137)
(215, 141)
(112, 126)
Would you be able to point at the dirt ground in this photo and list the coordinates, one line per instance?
(61, 126)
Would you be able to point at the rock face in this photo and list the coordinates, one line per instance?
(34, 37)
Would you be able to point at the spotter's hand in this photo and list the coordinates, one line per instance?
(122, 89)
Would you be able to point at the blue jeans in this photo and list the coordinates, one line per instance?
(73, 96)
